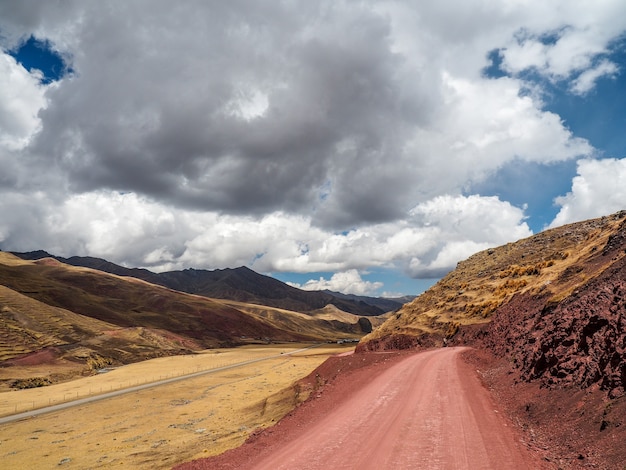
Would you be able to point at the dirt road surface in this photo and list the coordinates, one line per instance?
(427, 411)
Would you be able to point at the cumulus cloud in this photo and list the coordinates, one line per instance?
(348, 282)
(285, 136)
(136, 231)
(566, 46)
(598, 189)
(21, 99)
(253, 109)
(462, 226)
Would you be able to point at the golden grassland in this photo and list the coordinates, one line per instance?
(161, 426)
(76, 314)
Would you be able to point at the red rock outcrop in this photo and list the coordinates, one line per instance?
(579, 341)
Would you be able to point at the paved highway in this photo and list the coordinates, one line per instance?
(117, 393)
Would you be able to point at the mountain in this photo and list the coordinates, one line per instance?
(239, 284)
(245, 285)
(554, 303)
(385, 304)
(53, 312)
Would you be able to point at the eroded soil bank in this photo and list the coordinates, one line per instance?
(573, 428)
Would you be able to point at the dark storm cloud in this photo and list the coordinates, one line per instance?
(159, 106)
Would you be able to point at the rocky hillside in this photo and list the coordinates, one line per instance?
(554, 304)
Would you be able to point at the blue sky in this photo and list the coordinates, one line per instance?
(34, 55)
(361, 148)
(597, 116)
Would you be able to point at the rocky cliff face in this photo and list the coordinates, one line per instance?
(578, 341)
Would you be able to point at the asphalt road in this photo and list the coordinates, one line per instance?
(117, 393)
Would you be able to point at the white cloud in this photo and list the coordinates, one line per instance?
(586, 81)
(287, 136)
(493, 123)
(478, 218)
(133, 230)
(120, 227)
(21, 99)
(347, 282)
(461, 227)
(598, 190)
(561, 39)
(451, 252)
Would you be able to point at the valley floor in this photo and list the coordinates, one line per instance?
(162, 426)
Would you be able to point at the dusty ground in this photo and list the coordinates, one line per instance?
(430, 430)
(566, 429)
(160, 427)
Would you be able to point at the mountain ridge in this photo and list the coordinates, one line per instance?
(387, 304)
(59, 316)
(239, 284)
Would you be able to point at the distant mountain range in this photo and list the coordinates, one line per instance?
(58, 314)
(384, 303)
(239, 284)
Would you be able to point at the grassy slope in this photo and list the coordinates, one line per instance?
(29, 325)
(47, 304)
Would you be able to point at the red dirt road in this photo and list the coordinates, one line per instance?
(427, 411)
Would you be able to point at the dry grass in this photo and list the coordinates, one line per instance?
(162, 426)
(172, 321)
(79, 319)
(550, 262)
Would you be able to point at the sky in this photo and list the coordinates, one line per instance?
(360, 146)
